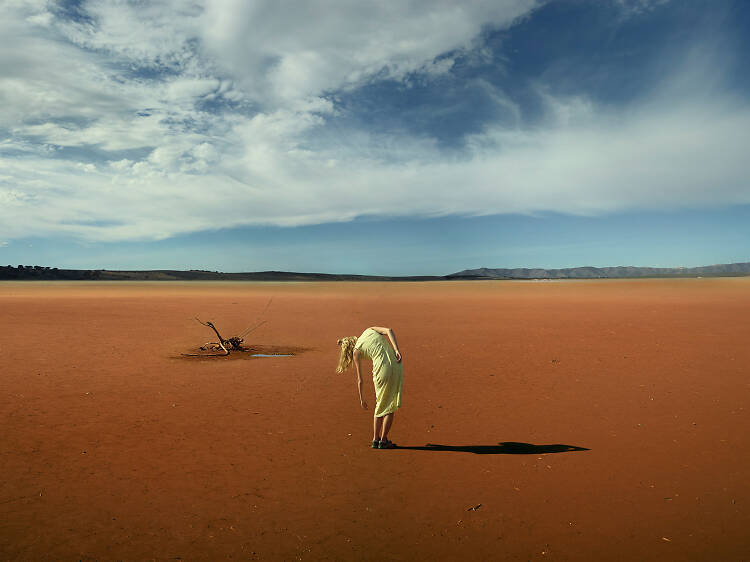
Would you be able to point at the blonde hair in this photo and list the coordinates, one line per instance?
(347, 350)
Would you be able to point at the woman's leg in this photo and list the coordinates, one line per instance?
(387, 423)
(377, 425)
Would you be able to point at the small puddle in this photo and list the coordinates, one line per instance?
(272, 355)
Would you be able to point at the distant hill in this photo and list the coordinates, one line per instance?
(41, 273)
(620, 272)
(199, 275)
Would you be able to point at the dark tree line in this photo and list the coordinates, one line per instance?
(30, 272)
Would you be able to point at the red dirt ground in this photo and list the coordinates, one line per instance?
(115, 447)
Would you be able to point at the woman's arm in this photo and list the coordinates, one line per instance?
(391, 336)
(358, 366)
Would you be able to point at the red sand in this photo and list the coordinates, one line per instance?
(114, 447)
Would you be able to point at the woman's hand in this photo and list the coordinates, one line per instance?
(398, 356)
(363, 403)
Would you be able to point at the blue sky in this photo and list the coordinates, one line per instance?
(375, 138)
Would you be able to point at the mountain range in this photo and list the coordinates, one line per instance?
(619, 272)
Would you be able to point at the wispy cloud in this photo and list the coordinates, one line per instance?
(128, 122)
(636, 7)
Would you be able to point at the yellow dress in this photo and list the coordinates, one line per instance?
(387, 373)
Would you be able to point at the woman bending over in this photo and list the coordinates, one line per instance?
(387, 375)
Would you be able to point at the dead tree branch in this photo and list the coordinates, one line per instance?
(226, 345)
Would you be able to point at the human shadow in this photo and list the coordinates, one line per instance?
(504, 448)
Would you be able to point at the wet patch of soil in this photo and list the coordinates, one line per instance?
(247, 352)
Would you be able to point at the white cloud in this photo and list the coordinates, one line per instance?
(149, 33)
(687, 156)
(284, 51)
(162, 163)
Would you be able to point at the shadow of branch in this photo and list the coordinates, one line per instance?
(504, 448)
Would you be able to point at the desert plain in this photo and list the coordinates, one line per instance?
(568, 420)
